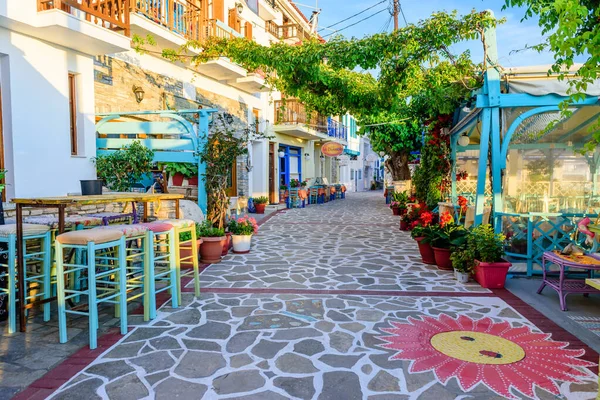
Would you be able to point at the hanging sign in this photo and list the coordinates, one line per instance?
(332, 149)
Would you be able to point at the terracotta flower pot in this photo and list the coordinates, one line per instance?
(211, 249)
(260, 208)
(491, 275)
(426, 251)
(241, 243)
(227, 244)
(395, 210)
(193, 181)
(442, 258)
(178, 179)
(404, 225)
(187, 252)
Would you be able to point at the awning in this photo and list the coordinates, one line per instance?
(351, 152)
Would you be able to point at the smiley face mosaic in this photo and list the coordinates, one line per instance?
(503, 357)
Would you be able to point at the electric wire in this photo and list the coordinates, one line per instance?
(402, 12)
(352, 16)
(356, 23)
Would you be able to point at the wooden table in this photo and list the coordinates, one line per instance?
(61, 204)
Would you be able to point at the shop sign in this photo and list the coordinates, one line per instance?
(332, 149)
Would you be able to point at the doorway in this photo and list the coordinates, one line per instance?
(290, 165)
(272, 173)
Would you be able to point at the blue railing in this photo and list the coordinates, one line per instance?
(531, 234)
(336, 129)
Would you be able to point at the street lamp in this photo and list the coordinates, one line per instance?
(464, 140)
(239, 7)
(281, 154)
(382, 153)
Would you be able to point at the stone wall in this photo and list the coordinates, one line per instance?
(114, 79)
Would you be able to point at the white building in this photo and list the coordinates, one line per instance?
(47, 95)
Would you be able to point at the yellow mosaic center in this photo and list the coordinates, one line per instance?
(477, 347)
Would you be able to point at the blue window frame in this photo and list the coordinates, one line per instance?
(290, 165)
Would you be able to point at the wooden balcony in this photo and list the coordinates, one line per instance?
(289, 33)
(216, 28)
(183, 17)
(110, 14)
(295, 120)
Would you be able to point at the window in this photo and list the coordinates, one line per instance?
(351, 174)
(73, 113)
(360, 174)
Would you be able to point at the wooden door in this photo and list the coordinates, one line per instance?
(219, 10)
(232, 181)
(272, 172)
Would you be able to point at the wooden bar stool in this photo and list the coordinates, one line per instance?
(186, 228)
(138, 272)
(162, 257)
(36, 269)
(106, 276)
(313, 197)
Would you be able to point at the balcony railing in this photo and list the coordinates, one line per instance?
(179, 16)
(216, 28)
(336, 129)
(294, 112)
(287, 31)
(110, 14)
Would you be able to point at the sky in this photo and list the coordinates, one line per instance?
(512, 35)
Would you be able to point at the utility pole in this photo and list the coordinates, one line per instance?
(396, 12)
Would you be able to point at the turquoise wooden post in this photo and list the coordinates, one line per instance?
(453, 144)
(203, 121)
(482, 170)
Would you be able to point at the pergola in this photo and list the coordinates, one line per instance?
(508, 133)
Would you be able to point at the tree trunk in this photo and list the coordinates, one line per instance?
(397, 164)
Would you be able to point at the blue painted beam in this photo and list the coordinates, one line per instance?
(528, 100)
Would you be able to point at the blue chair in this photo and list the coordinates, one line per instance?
(36, 269)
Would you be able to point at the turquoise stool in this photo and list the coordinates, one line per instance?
(138, 272)
(36, 281)
(190, 253)
(162, 257)
(106, 276)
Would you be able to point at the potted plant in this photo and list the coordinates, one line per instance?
(123, 168)
(463, 261)
(422, 234)
(242, 230)
(304, 184)
(488, 249)
(294, 183)
(446, 236)
(186, 252)
(260, 203)
(399, 201)
(179, 171)
(283, 191)
(213, 240)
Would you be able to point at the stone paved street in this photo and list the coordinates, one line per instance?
(333, 303)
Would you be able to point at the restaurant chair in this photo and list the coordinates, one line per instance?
(162, 257)
(190, 251)
(104, 263)
(293, 199)
(313, 196)
(36, 271)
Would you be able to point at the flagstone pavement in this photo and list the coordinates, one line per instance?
(333, 303)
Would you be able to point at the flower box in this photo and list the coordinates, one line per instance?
(491, 275)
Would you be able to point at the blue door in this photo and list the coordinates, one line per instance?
(290, 165)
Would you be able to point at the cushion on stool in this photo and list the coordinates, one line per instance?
(180, 223)
(157, 226)
(112, 216)
(128, 230)
(86, 236)
(28, 229)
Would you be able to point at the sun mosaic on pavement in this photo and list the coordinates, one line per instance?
(258, 346)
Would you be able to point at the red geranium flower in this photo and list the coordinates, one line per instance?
(426, 218)
(446, 218)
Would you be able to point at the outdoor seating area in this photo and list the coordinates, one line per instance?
(315, 194)
(86, 262)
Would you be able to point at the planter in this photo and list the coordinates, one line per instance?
(401, 186)
(185, 253)
(193, 181)
(227, 244)
(395, 210)
(260, 208)
(177, 179)
(91, 187)
(426, 251)
(462, 277)
(491, 275)
(241, 243)
(211, 249)
(404, 225)
(442, 258)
